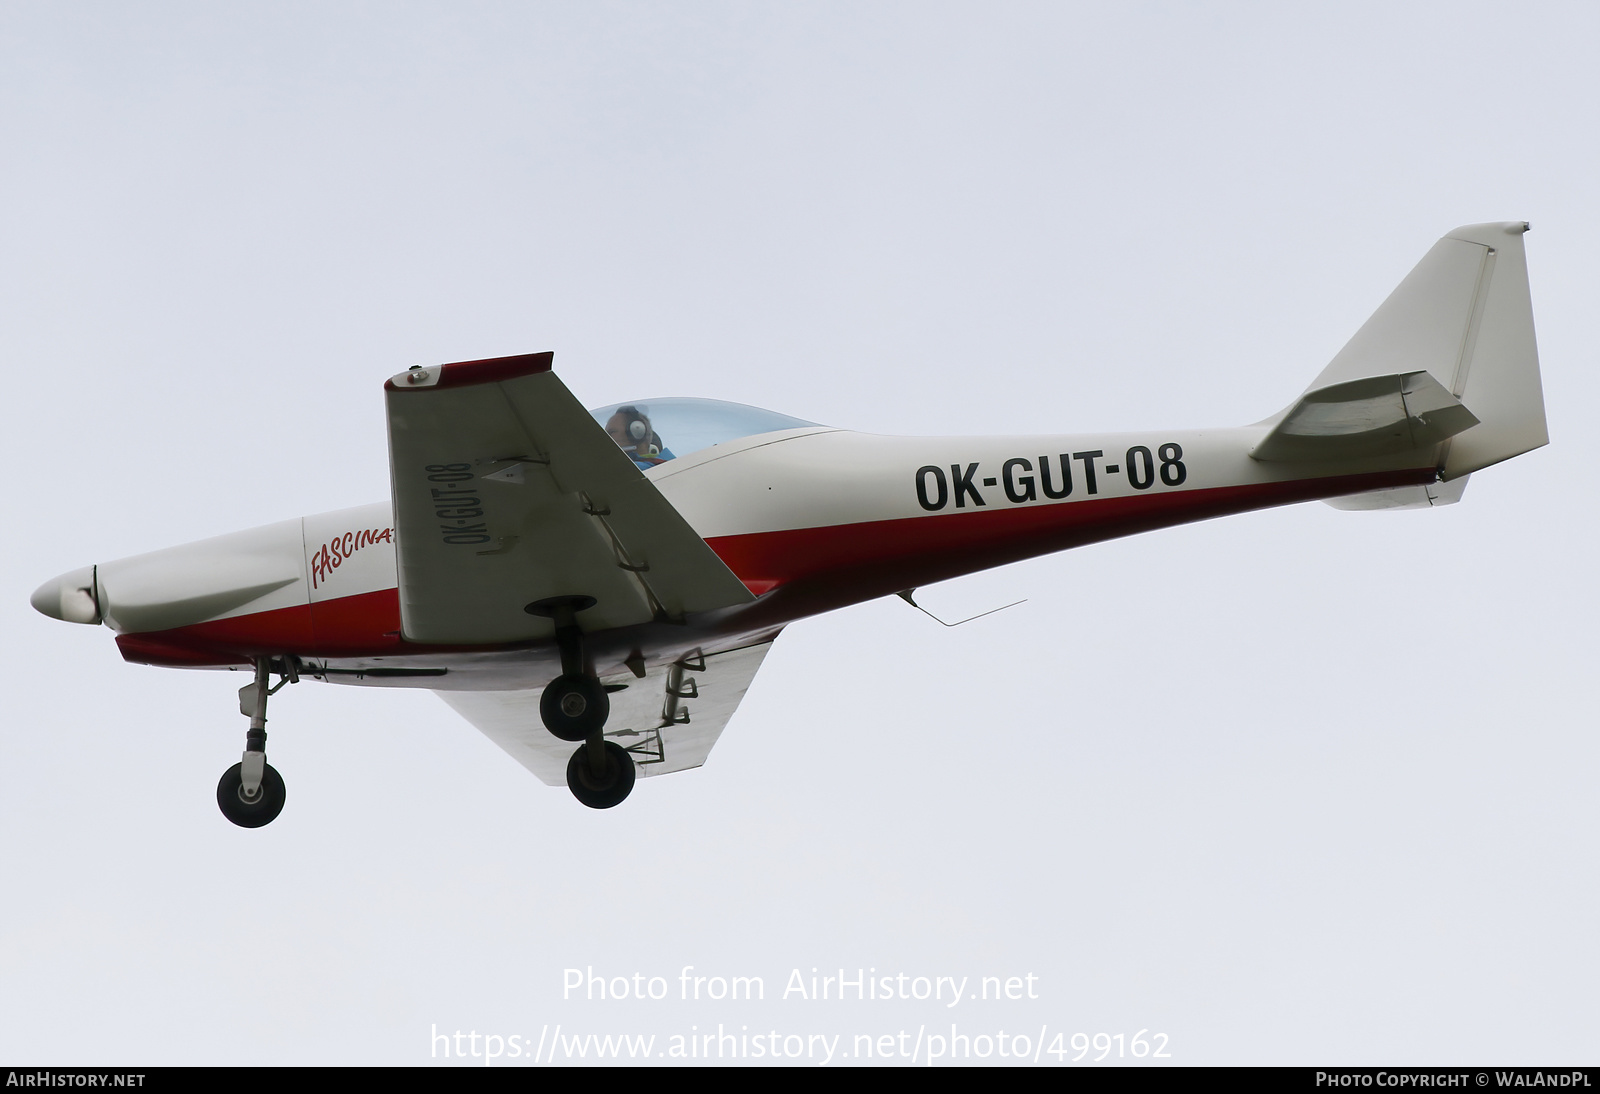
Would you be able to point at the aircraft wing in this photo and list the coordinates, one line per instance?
(507, 492)
(668, 720)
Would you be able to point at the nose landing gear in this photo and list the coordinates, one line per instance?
(246, 810)
(251, 792)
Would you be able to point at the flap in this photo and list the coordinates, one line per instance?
(506, 492)
(668, 720)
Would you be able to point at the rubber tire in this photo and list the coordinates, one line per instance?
(251, 814)
(618, 784)
(597, 706)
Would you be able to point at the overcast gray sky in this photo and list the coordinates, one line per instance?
(1303, 786)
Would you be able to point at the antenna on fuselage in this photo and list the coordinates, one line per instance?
(906, 596)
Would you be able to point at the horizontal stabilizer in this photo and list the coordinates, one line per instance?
(1371, 416)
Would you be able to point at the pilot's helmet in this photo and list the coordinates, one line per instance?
(630, 428)
(635, 423)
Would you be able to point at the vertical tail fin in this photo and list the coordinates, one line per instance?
(1464, 316)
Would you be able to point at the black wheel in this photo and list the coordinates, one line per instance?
(574, 707)
(612, 788)
(246, 813)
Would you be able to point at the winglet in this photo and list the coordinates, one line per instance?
(490, 370)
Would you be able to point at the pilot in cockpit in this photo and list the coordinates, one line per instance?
(630, 428)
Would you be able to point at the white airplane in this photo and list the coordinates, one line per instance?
(613, 578)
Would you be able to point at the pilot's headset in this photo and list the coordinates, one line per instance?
(637, 426)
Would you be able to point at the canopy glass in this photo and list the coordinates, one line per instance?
(654, 431)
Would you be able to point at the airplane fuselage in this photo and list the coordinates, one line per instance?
(808, 519)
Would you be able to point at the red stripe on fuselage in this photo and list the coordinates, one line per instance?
(805, 570)
(813, 570)
(347, 626)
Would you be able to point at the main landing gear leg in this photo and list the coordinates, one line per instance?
(251, 793)
(574, 707)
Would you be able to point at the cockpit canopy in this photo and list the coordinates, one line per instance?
(654, 431)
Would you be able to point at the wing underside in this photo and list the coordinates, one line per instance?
(667, 721)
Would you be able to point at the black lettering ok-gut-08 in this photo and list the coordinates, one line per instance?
(1021, 481)
(455, 507)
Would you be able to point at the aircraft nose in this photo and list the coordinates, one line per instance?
(70, 597)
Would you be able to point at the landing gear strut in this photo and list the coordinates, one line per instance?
(251, 792)
(574, 708)
(574, 705)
